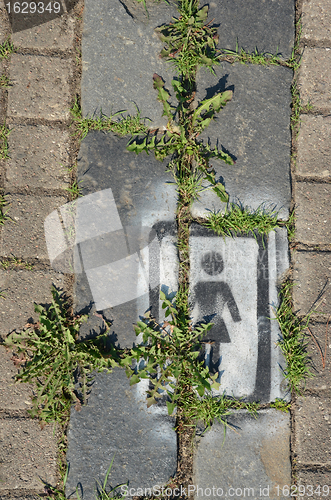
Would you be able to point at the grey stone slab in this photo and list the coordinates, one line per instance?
(314, 78)
(13, 396)
(250, 461)
(312, 278)
(55, 34)
(39, 156)
(142, 441)
(312, 430)
(120, 53)
(312, 210)
(21, 288)
(267, 26)
(125, 231)
(316, 20)
(314, 147)
(27, 454)
(254, 128)
(40, 87)
(233, 284)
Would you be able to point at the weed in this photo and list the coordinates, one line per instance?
(4, 133)
(281, 404)
(170, 352)
(6, 48)
(74, 190)
(125, 126)
(293, 343)
(4, 82)
(238, 219)
(295, 60)
(189, 41)
(55, 359)
(14, 262)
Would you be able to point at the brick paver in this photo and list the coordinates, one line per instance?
(313, 213)
(315, 78)
(314, 147)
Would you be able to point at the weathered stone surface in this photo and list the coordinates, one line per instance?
(316, 20)
(39, 156)
(256, 456)
(312, 430)
(308, 481)
(233, 283)
(21, 289)
(55, 34)
(312, 209)
(13, 396)
(314, 147)
(312, 277)
(142, 204)
(142, 440)
(4, 32)
(27, 455)
(254, 128)
(120, 53)
(24, 237)
(267, 26)
(40, 87)
(314, 80)
(322, 377)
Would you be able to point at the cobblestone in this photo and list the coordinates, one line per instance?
(24, 237)
(321, 382)
(314, 147)
(316, 20)
(315, 78)
(39, 156)
(313, 430)
(313, 225)
(13, 396)
(312, 277)
(313, 478)
(22, 287)
(27, 455)
(40, 87)
(56, 34)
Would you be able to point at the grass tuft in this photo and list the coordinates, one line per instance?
(6, 48)
(4, 133)
(293, 343)
(127, 125)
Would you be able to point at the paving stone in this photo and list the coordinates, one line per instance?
(120, 53)
(143, 440)
(55, 34)
(233, 283)
(314, 81)
(312, 277)
(40, 87)
(21, 289)
(39, 156)
(27, 454)
(13, 396)
(267, 26)
(321, 382)
(314, 150)
(256, 456)
(310, 479)
(313, 218)
(254, 128)
(312, 430)
(142, 205)
(25, 238)
(316, 20)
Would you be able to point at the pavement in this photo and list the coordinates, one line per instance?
(106, 52)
